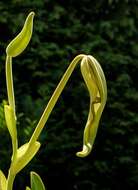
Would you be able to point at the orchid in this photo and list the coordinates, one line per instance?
(95, 81)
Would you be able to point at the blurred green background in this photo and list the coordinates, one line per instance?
(106, 29)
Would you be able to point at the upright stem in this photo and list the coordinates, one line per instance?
(14, 149)
(9, 82)
(54, 99)
(11, 100)
(10, 180)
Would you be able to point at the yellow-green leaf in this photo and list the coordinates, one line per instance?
(20, 42)
(36, 182)
(10, 121)
(3, 181)
(24, 155)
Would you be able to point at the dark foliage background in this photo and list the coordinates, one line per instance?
(107, 29)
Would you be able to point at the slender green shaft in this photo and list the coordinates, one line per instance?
(54, 98)
(14, 147)
(9, 81)
(10, 180)
(11, 100)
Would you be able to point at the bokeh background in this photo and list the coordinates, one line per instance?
(106, 29)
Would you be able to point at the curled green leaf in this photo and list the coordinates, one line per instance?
(20, 42)
(95, 81)
(36, 182)
(24, 155)
(3, 181)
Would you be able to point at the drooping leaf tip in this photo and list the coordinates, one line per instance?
(85, 151)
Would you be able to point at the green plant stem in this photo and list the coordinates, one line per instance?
(11, 100)
(14, 149)
(9, 82)
(10, 180)
(54, 99)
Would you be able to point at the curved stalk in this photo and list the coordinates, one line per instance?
(54, 99)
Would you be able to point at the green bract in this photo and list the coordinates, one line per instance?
(24, 155)
(10, 121)
(95, 81)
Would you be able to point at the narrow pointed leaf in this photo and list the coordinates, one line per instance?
(3, 181)
(36, 182)
(20, 42)
(10, 121)
(24, 155)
